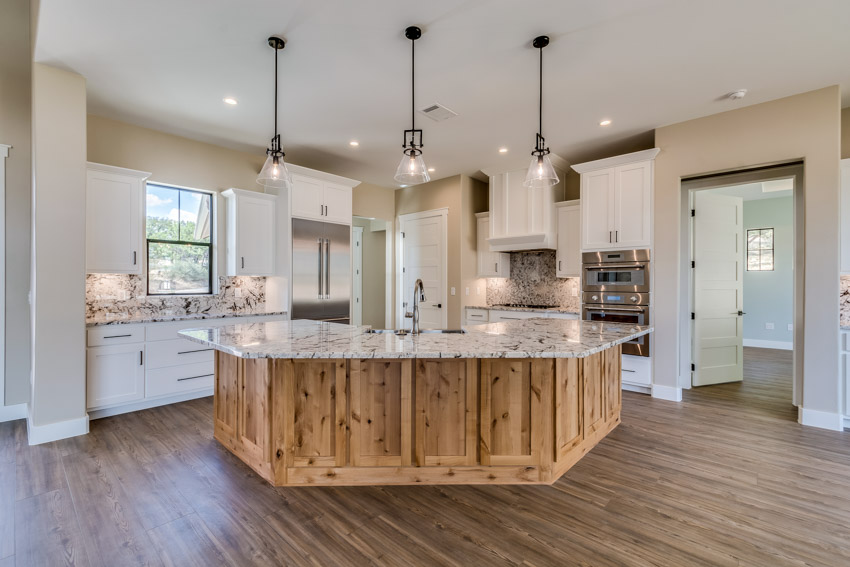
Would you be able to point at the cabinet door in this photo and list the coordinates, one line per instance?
(115, 375)
(490, 264)
(113, 223)
(337, 201)
(308, 201)
(255, 236)
(632, 194)
(569, 242)
(596, 211)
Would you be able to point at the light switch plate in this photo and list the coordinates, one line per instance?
(467, 291)
(790, 327)
(453, 291)
(768, 326)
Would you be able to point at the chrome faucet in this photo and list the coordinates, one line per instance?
(418, 295)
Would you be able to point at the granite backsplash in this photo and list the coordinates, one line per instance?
(122, 294)
(533, 282)
(844, 313)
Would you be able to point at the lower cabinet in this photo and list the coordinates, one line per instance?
(637, 370)
(844, 372)
(115, 374)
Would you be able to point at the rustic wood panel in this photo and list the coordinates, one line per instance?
(506, 412)
(226, 393)
(254, 429)
(594, 393)
(446, 400)
(381, 412)
(568, 406)
(612, 374)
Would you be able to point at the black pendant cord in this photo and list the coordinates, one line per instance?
(412, 86)
(275, 94)
(540, 107)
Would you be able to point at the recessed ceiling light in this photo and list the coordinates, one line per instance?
(402, 186)
(231, 101)
(605, 122)
(503, 150)
(737, 95)
(354, 143)
(431, 169)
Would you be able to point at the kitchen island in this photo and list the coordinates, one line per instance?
(313, 403)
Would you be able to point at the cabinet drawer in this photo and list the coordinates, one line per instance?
(176, 352)
(496, 316)
(637, 370)
(845, 341)
(115, 335)
(477, 316)
(176, 379)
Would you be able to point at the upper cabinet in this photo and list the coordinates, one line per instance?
(616, 202)
(568, 255)
(845, 216)
(114, 205)
(490, 264)
(251, 233)
(522, 218)
(320, 196)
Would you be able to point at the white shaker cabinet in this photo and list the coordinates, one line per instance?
(490, 264)
(568, 255)
(115, 374)
(616, 202)
(251, 233)
(318, 199)
(114, 211)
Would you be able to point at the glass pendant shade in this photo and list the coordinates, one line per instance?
(541, 173)
(412, 170)
(274, 173)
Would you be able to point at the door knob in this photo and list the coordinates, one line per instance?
(739, 313)
(439, 306)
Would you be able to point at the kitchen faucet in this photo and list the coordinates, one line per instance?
(418, 295)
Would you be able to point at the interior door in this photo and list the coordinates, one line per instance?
(423, 253)
(357, 275)
(718, 254)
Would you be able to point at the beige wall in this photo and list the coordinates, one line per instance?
(15, 124)
(374, 201)
(59, 247)
(845, 133)
(804, 127)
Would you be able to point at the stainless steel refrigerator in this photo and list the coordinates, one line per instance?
(321, 271)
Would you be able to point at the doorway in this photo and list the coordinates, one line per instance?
(422, 254)
(371, 272)
(743, 285)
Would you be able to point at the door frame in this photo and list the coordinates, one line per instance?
(399, 276)
(793, 169)
(356, 253)
(4, 153)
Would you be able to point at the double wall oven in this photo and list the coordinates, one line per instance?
(616, 289)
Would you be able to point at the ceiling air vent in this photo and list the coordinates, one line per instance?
(437, 112)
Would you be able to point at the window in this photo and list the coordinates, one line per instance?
(760, 250)
(179, 240)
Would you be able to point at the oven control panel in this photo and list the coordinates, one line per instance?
(615, 298)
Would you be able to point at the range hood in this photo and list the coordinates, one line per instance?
(523, 218)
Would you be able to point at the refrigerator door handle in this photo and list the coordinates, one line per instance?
(319, 240)
(327, 268)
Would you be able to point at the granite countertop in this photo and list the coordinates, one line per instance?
(532, 309)
(129, 319)
(531, 338)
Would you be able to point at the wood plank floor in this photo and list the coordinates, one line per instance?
(725, 478)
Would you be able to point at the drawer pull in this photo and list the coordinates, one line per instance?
(117, 336)
(627, 370)
(195, 377)
(199, 350)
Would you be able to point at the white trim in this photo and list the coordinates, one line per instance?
(821, 419)
(846, 421)
(4, 149)
(616, 160)
(640, 389)
(4, 153)
(758, 343)
(671, 393)
(117, 170)
(147, 404)
(38, 434)
(324, 176)
(11, 413)
(399, 256)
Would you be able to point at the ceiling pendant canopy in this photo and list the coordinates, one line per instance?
(274, 172)
(412, 168)
(540, 171)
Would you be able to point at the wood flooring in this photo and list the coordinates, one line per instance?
(727, 477)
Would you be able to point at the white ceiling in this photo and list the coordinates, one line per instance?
(752, 192)
(345, 70)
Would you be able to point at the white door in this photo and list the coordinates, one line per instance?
(115, 375)
(424, 257)
(596, 215)
(718, 255)
(308, 198)
(632, 190)
(569, 245)
(256, 237)
(357, 275)
(113, 223)
(337, 203)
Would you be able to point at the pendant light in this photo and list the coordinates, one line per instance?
(274, 172)
(412, 168)
(540, 172)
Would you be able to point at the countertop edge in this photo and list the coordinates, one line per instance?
(180, 318)
(524, 309)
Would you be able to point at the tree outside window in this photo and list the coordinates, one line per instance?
(179, 240)
(760, 250)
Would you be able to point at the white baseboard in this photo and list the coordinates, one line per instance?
(821, 419)
(11, 413)
(671, 393)
(758, 343)
(846, 422)
(147, 404)
(38, 434)
(639, 388)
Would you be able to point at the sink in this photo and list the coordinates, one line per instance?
(442, 331)
(403, 332)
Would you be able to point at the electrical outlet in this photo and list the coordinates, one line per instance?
(790, 327)
(575, 292)
(768, 326)
(237, 292)
(478, 290)
(467, 290)
(454, 291)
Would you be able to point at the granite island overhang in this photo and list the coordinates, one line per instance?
(314, 403)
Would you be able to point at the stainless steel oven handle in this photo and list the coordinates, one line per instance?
(616, 266)
(626, 309)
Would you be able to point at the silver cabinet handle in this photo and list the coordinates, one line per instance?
(627, 370)
(195, 377)
(611, 266)
(327, 268)
(117, 336)
(321, 265)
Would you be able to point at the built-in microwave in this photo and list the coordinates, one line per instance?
(621, 270)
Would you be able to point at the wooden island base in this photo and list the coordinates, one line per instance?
(415, 421)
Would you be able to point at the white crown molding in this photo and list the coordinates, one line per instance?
(624, 159)
(513, 164)
(233, 192)
(118, 170)
(324, 176)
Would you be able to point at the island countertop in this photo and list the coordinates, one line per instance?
(530, 338)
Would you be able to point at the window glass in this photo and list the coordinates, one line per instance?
(760, 250)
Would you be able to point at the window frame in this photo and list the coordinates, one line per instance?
(772, 248)
(210, 245)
